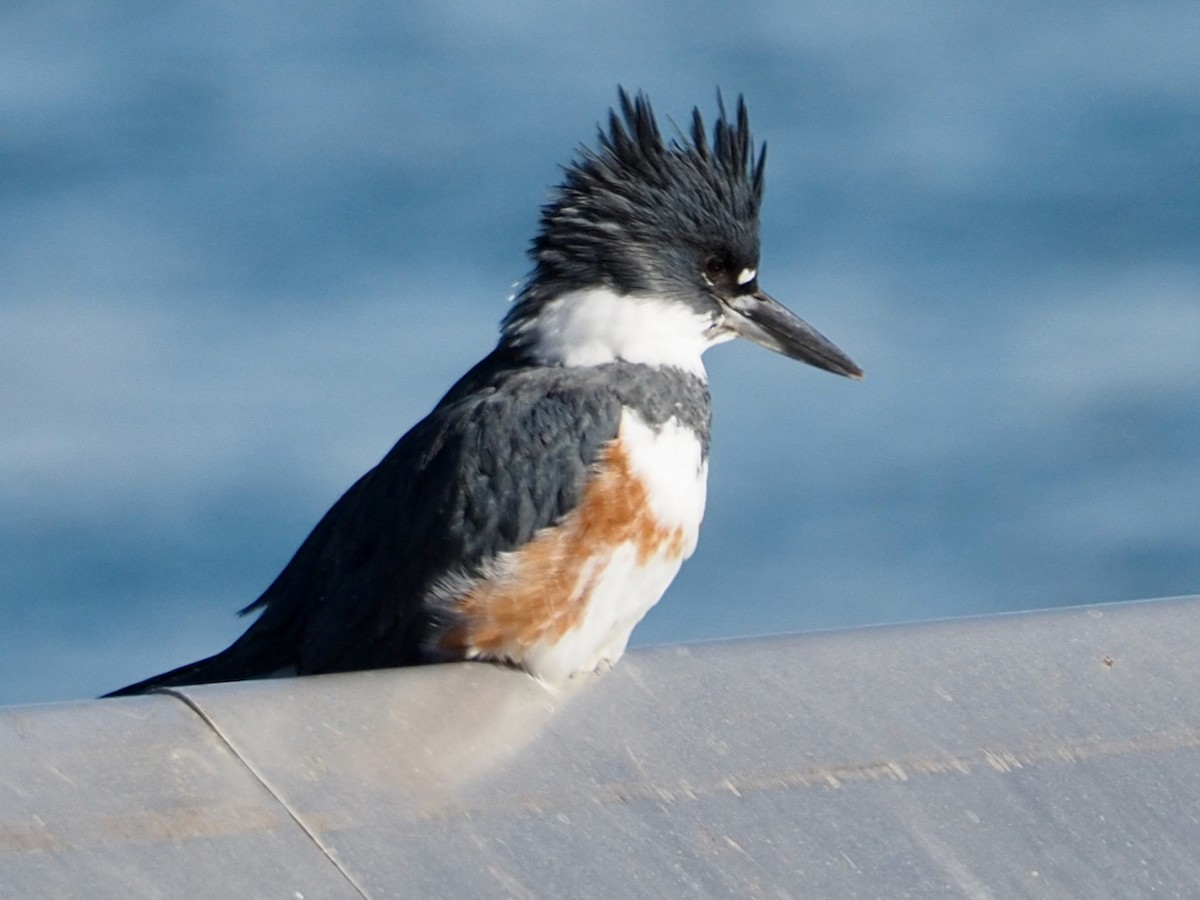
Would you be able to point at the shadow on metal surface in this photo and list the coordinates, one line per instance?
(420, 732)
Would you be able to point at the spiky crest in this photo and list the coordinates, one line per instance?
(632, 213)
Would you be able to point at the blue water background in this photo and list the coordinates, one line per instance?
(243, 247)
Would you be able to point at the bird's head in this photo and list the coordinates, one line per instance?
(649, 243)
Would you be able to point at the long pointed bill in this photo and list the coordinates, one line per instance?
(770, 324)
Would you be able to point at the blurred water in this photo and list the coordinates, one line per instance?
(243, 248)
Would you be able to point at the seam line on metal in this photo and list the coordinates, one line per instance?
(257, 776)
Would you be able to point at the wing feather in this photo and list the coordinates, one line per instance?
(479, 476)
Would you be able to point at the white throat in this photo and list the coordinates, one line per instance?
(597, 325)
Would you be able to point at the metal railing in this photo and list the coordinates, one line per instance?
(1031, 755)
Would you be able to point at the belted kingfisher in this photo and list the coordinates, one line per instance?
(546, 503)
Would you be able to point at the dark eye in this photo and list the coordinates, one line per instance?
(716, 266)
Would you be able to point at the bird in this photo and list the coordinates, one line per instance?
(549, 499)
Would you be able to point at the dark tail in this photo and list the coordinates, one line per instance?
(247, 658)
(202, 672)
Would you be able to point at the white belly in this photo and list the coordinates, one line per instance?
(620, 585)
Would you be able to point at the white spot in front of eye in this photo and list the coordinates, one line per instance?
(746, 276)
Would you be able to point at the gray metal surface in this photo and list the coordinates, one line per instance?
(1035, 755)
(142, 799)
